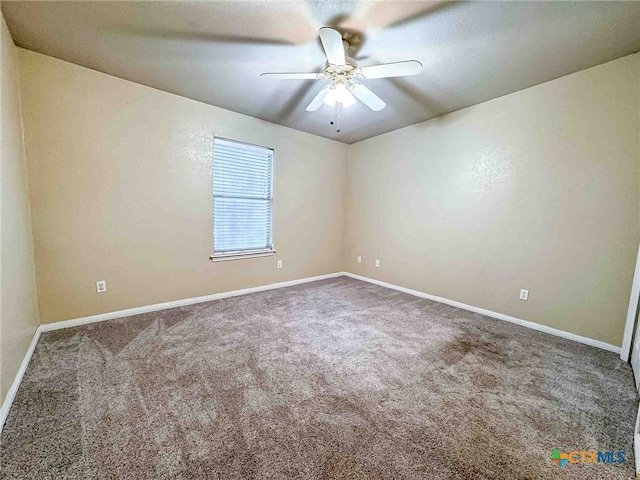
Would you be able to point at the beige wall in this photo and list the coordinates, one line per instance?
(121, 190)
(536, 190)
(18, 302)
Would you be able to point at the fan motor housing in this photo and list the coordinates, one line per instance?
(346, 70)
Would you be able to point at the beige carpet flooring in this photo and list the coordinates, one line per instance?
(337, 379)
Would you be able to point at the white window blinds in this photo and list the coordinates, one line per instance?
(242, 198)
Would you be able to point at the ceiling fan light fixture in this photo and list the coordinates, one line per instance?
(339, 93)
(345, 76)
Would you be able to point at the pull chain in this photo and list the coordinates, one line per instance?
(333, 109)
(339, 110)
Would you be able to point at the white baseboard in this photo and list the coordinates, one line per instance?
(45, 327)
(11, 394)
(489, 313)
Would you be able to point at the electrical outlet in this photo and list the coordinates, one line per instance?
(377, 263)
(359, 259)
(101, 286)
(524, 294)
(279, 263)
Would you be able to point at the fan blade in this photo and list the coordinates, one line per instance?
(332, 44)
(316, 103)
(293, 76)
(367, 97)
(387, 70)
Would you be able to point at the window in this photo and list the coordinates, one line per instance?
(242, 199)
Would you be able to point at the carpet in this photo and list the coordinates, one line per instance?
(337, 379)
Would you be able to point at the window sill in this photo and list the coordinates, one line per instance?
(225, 257)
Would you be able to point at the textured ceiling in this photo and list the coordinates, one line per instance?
(215, 51)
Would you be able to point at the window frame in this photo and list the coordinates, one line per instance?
(248, 253)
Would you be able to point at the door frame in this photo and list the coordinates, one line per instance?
(625, 350)
(636, 445)
(632, 311)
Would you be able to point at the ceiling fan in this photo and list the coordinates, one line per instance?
(346, 77)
